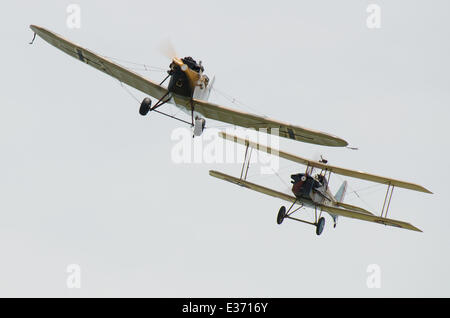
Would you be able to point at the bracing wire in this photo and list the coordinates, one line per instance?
(353, 191)
(236, 102)
(129, 92)
(143, 67)
(281, 179)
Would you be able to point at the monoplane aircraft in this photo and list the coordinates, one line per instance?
(312, 190)
(189, 89)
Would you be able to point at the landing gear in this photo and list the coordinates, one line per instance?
(320, 225)
(145, 106)
(281, 215)
(287, 214)
(147, 103)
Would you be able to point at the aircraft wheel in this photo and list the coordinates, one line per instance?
(320, 225)
(281, 215)
(145, 106)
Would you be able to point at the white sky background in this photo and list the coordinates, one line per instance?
(84, 179)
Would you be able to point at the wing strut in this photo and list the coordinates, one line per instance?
(246, 161)
(163, 100)
(389, 192)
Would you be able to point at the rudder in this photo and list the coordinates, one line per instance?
(340, 194)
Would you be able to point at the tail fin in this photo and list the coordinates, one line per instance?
(340, 194)
(210, 87)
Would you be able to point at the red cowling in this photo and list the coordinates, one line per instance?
(297, 187)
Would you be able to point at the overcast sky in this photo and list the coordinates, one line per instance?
(85, 180)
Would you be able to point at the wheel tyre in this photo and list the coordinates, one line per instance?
(281, 215)
(145, 106)
(320, 225)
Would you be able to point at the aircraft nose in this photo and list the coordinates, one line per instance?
(180, 63)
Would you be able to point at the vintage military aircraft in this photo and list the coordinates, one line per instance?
(188, 89)
(312, 190)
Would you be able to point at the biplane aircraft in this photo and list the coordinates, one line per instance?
(312, 190)
(189, 89)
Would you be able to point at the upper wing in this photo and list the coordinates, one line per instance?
(365, 216)
(243, 119)
(320, 165)
(103, 64)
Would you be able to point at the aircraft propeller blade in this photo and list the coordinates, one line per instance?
(167, 49)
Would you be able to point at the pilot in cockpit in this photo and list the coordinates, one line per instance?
(320, 178)
(318, 181)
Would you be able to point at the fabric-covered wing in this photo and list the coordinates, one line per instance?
(369, 218)
(353, 208)
(333, 210)
(320, 165)
(101, 63)
(207, 109)
(247, 120)
(255, 187)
